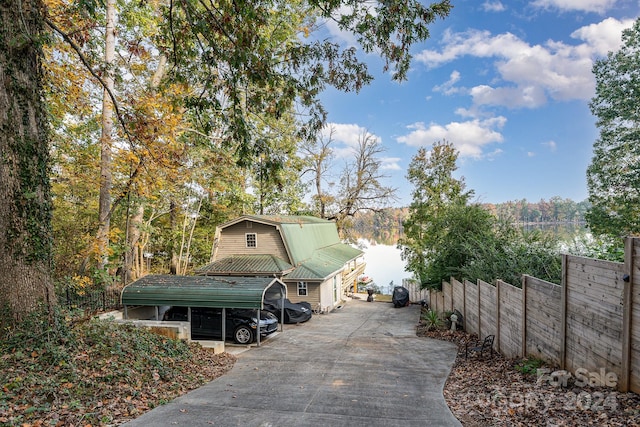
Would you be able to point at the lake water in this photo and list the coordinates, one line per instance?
(384, 265)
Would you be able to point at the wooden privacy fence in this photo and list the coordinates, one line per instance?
(591, 321)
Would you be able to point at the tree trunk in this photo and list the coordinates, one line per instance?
(105, 140)
(135, 225)
(173, 220)
(25, 211)
(131, 263)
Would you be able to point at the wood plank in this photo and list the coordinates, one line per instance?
(592, 287)
(603, 309)
(544, 351)
(592, 262)
(589, 359)
(608, 279)
(576, 333)
(542, 285)
(581, 280)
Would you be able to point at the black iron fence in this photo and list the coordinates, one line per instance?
(92, 301)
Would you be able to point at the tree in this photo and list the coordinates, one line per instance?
(319, 155)
(244, 66)
(461, 229)
(25, 211)
(253, 58)
(238, 62)
(361, 187)
(274, 176)
(507, 252)
(106, 140)
(435, 191)
(613, 177)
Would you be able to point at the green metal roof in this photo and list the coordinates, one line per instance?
(325, 262)
(313, 244)
(202, 291)
(247, 264)
(281, 219)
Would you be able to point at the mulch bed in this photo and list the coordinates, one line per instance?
(495, 391)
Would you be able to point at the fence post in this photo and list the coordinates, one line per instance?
(451, 289)
(627, 314)
(479, 310)
(464, 303)
(563, 312)
(524, 316)
(498, 317)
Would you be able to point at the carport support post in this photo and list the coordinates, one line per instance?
(282, 312)
(223, 322)
(258, 329)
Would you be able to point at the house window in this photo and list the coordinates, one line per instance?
(252, 240)
(302, 288)
(335, 288)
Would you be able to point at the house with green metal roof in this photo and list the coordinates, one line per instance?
(304, 252)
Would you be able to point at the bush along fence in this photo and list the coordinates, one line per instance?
(92, 301)
(589, 325)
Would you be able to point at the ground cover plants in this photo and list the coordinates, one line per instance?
(84, 372)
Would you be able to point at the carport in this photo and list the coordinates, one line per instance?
(203, 291)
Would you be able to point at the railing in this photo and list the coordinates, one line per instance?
(350, 276)
(92, 301)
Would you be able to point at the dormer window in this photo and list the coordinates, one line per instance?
(252, 240)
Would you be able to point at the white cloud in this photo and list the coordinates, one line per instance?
(391, 163)
(527, 75)
(493, 6)
(448, 87)
(468, 137)
(551, 145)
(531, 154)
(598, 6)
(347, 134)
(511, 97)
(494, 154)
(604, 36)
(345, 138)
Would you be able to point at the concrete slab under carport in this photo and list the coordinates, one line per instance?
(359, 366)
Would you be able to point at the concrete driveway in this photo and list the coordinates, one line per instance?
(361, 365)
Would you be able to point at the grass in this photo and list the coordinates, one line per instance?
(382, 298)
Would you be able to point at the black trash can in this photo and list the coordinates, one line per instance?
(370, 297)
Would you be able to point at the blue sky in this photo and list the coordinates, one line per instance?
(507, 82)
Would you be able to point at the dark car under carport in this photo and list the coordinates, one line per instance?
(225, 293)
(293, 312)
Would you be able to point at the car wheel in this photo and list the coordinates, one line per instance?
(243, 335)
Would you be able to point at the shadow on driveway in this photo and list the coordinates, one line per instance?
(361, 365)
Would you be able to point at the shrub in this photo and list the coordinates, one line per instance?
(432, 319)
